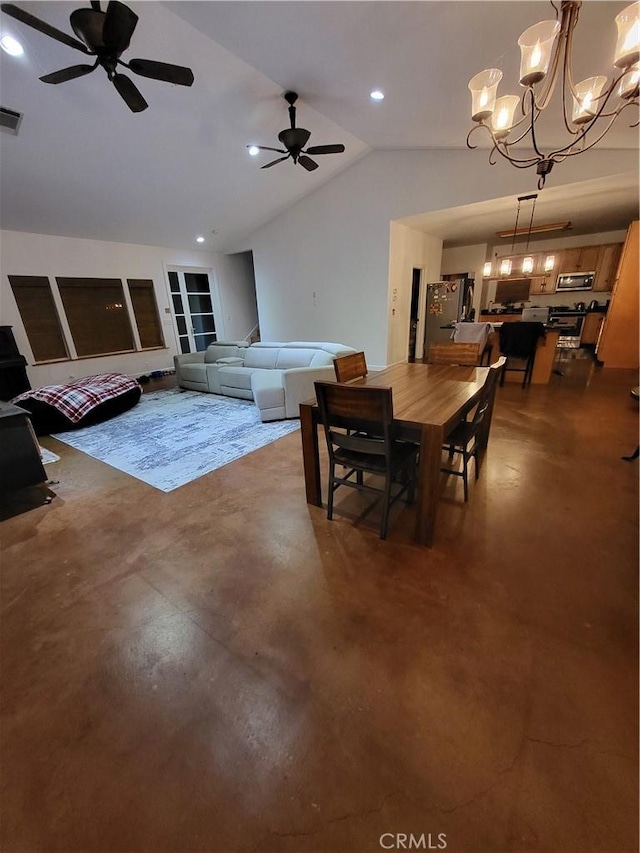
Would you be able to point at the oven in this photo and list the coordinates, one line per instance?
(569, 324)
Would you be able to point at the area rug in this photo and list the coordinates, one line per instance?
(173, 437)
(47, 456)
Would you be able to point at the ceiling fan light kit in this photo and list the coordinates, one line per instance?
(105, 36)
(546, 60)
(294, 140)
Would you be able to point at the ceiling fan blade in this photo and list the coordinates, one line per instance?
(266, 148)
(119, 24)
(129, 93)
(325, 149)
(88, 24)
(41, 26)
(273, 162)
(68, 73)
(307, 163)
(162, 71)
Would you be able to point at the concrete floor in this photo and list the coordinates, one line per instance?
(221, 670)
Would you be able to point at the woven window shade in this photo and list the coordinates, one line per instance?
(39, 316)
(145, 311)
(97, 315)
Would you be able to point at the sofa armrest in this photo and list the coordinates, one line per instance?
(298, 385)
(186, 358)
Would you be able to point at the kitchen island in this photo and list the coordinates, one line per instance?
(545, 351)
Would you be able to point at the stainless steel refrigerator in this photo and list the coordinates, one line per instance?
(444, 306)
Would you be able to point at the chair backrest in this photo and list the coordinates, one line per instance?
(471, 333)
(488, 393)
(348, 410)
(519, 340)
(351, 366)
(449, 352)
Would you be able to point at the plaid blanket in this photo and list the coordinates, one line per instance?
(76, 399)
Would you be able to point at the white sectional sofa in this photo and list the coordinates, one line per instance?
(276, 376)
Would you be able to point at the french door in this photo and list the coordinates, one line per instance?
(192, 300)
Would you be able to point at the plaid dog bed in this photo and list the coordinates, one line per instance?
(79, 403)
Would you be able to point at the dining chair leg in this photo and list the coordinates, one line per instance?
(386, 501)
(411, 491)
(332, 472)
(465, 476)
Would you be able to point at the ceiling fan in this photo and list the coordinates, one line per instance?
(294, 139)
(105, 35)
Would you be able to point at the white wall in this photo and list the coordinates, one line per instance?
(322, 266)
(45, 255)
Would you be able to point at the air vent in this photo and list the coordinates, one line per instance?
(9, 120)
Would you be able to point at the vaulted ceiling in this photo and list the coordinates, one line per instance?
(83, 165)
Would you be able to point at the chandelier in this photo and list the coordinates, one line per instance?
(592, 104)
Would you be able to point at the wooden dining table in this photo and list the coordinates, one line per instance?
(428, 401)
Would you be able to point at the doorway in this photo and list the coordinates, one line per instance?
(192, 302)
(414, 315)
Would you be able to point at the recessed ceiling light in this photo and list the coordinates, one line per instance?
(377, 95)
(11, 46)
(199, 239)
(253, 150)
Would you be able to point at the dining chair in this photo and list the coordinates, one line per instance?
(476, 333)
(470, 436)
(360, 434)
(351, 366)
(519, 342)
(451, 352)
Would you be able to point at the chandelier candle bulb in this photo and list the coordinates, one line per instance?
(630, 84)
(503, 112)
(483, 89)
(585, 101)
(628, 44)
(536, 45)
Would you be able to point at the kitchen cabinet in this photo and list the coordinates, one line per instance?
(580, 259)
(608, 260)
(591, 328)
(542, 284)
(618, 344)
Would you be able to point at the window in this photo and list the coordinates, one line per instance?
(39, 316)
(145, 312)
(70, 318)
(97, 315)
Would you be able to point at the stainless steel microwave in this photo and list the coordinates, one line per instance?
(575, 281)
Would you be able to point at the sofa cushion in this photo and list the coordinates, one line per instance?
(294, 358)
(230, 360)
(326, 346)
(322, 359)
(268, 390)
(236, 377)
(194, 372)
(265, 357)
(224, 349)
